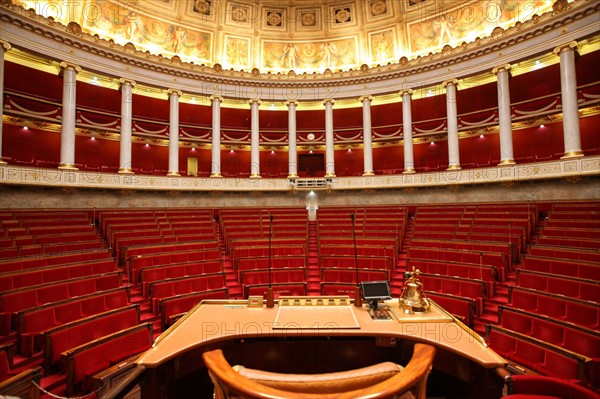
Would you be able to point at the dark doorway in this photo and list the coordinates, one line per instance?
(310, 164)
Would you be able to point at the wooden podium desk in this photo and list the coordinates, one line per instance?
(314, 335)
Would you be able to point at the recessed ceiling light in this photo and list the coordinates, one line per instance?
(25, 128)
(541, 125)
(481, 136)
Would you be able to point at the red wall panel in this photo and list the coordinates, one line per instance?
(98, 98)
(472, 99)
(538, 83)
(388, 158)
(33, 82)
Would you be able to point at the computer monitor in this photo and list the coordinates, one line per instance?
(375, 291)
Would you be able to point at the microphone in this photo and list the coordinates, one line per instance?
(270, 295)
(357, 294)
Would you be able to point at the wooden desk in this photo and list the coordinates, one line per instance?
(311, 337)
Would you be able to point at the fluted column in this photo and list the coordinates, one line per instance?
(254, 139)
(568, 91)
(126, 117)
(4, 46)
(329, 149)
(292, 153)
(174, 132)
(409, 162)
(367, 140)
(452, 122)
(67, 131)
(505, 121)
(216, 136)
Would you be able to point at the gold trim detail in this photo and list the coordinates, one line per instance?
(2, 162)
(368, 173)
(216, 174)
(67, 166)
(409, 171)
(330, 174)
(572, 154)
(293, 176)
(507, 162)
(454, 167)
(125, 171)
(255, 176)
(173, 173)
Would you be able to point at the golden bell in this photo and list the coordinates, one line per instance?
(413, 299)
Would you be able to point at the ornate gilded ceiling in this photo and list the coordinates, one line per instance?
(305, 36)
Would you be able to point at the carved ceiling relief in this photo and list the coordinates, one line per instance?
(319, 37)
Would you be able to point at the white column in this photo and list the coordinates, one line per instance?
(505, 121)
(367, 140)
(329, 150)
(4, 46)
(452, 122)
(409, 162)
(216, 136)
(568, 91)
(67, 131)
(292, 153)
(174, 132)
(126, 116)
(254, 139)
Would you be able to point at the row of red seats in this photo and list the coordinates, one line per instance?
(278, 262)
(482, 247)
(151, 274)
(496, 260)
(70, 335)
(159, 290)
(349, 275)
(29, 277)
(562, 267)
(261, 276)
(559, 307)
(576, 339)
(42, 261)
(125, 244)
(279, 289)
(458, 306)
(14, 301)
(359, 250)
(83, 362)
(34, 320)
(564, 253)
(475, 290)
(362, 262)
(515, 240)
(542, 358)
(172, 308)
(588, 290)
(148, 260)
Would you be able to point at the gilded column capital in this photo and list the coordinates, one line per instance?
(216, 97)
(329, 100)
(565, 47)
(130, 82)
(453, 82)
(405, 91)
(254, 100)
(368, 97)
(5, 45)
(505, 67)
(67, 65)
(179, 93)
(290, 102)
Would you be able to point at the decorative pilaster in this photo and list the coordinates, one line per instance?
(409, 163)
(4, 46)
(127, 86)
(67, 131)
(216, 136)
(568, 90)
(329, 149)
(254, 139)
(174, 96)
(367, 139)
(505, 121)
(292, 153)
(452, 122)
